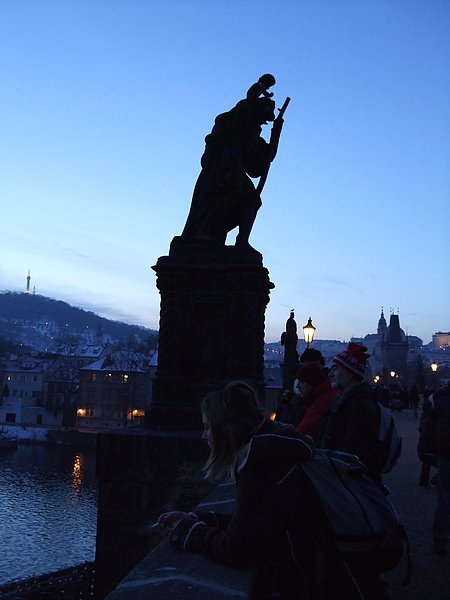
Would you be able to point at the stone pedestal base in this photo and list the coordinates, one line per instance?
(213, 301)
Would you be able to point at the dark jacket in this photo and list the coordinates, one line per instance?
(289, 408)
(434, 426)
(427, 442)
(442, 408)
(351, 425)
(277, 526)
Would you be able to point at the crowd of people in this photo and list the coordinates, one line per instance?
(277, 526)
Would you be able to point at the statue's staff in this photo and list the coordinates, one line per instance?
(274, 139)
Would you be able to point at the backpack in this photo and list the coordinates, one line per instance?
(390, 441)
(366, 529)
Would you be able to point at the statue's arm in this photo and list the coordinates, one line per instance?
(275, 138)
(276, 129)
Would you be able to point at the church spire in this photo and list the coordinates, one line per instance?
(382, 325)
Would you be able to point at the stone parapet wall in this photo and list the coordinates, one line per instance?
(165, 573)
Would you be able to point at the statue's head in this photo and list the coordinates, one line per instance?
(264, 109)
(267, 80)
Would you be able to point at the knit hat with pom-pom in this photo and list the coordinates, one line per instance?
(353, 358)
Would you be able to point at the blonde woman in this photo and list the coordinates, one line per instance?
(277, 527)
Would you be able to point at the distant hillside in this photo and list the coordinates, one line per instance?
(33, 308)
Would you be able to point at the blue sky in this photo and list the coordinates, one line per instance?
(104, 108)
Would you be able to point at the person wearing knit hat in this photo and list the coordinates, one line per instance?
(317, 395)
(351, 422)
(309, 356)
(354, 359)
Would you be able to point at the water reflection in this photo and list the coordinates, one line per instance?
(77, 473)
(48, 509)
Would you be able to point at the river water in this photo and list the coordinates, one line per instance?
(48, 509)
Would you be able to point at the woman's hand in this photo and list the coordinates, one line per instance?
(172, 518)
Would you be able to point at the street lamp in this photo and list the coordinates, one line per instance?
(392, 373)
(434, 369)
(308, 332)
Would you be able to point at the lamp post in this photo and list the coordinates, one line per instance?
(434, 370)
(308, 332)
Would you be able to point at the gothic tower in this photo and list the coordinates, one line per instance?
(396, 349)
(378, 363)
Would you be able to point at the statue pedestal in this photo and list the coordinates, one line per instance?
(211, 331)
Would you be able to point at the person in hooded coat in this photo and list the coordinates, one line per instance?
(278, 527)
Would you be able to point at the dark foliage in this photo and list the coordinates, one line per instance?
(20, 308)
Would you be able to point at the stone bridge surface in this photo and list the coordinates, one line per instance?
(164, 573)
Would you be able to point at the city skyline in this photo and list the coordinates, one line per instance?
(105, 110)
(28, 289)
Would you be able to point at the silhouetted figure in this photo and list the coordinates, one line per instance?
(311, 355)
(317, 394)
(427, 443)
(277, 528)
(289, 339)
(289, 407)
(414, 400)
(351, 422)
(434, 441)
(260, 88)
(383, 396)
(288, 404)
(224, 195)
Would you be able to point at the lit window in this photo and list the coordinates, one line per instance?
(137, 412)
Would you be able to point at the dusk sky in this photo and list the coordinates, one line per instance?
(104, 108)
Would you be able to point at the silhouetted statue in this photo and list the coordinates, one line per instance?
(224, 196)
(289, 340)
(261, 86)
